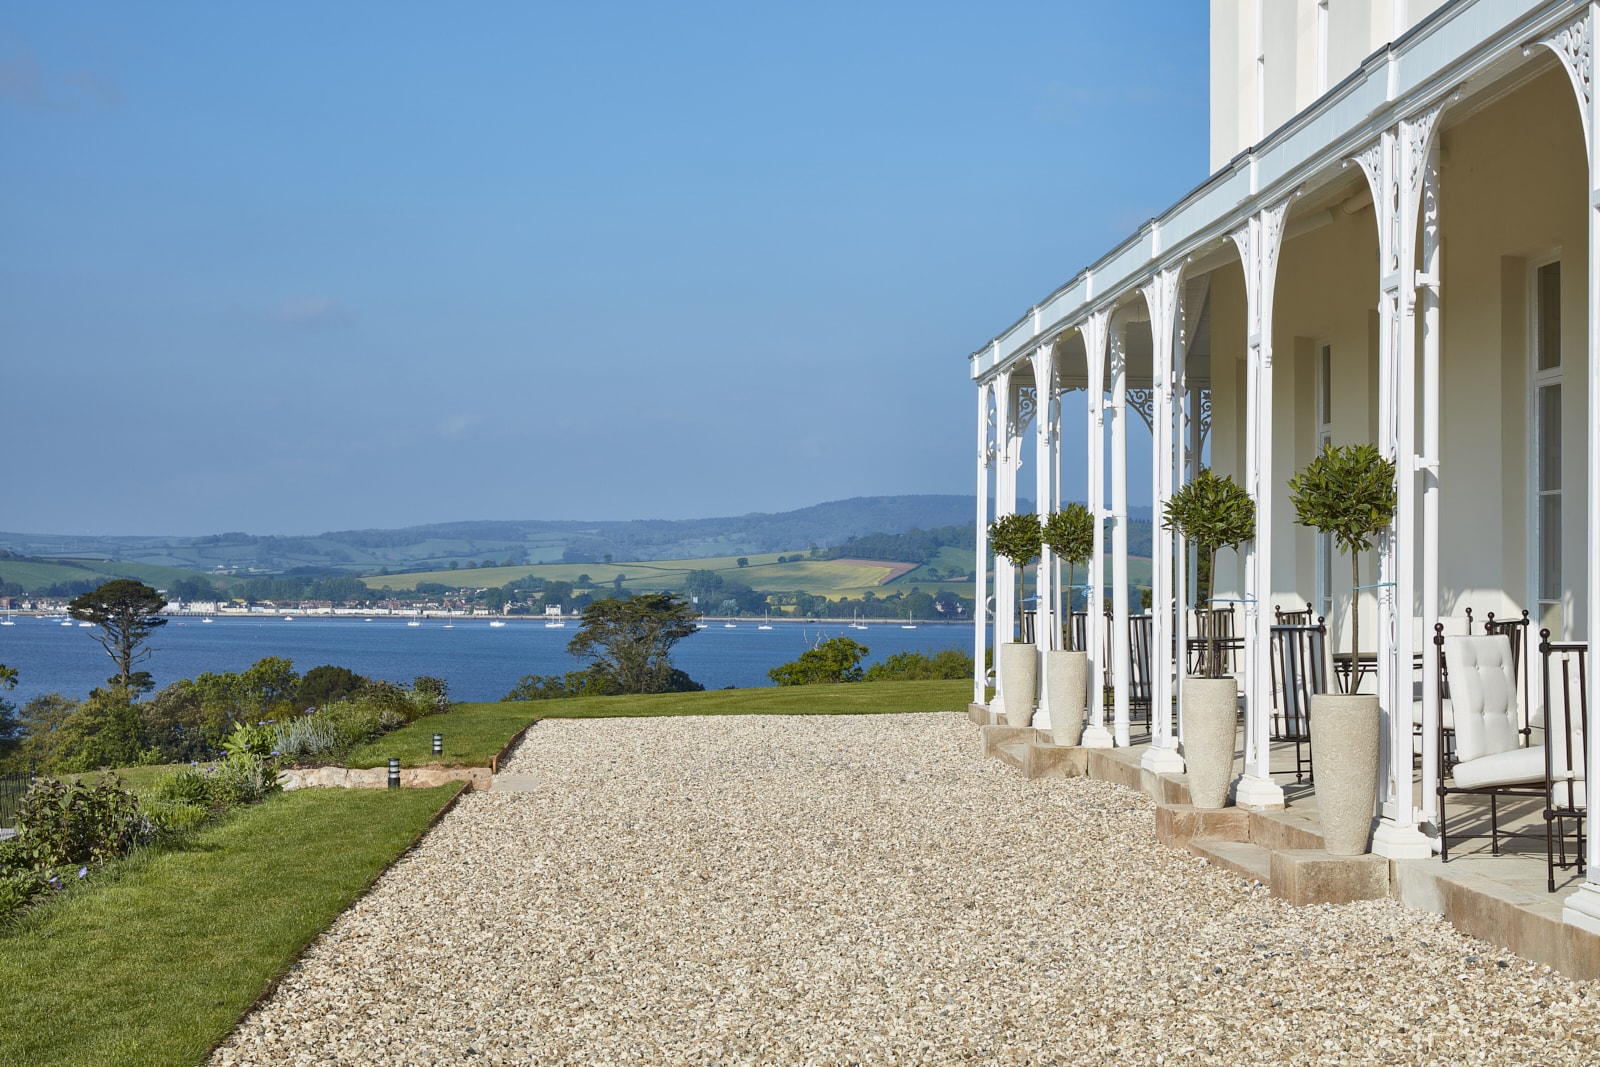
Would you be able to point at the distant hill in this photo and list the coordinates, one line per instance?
(519, 542)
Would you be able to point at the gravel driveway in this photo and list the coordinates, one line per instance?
(867, 889)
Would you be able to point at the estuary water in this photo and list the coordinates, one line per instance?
(481, 662)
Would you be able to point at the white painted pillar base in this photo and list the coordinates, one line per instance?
(1162, 761)
(1582, 908)
(1095, 735)
(1396, 841)
(1258, 794)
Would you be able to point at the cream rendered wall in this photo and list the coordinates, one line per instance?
(1288, 45)
(1512, 194)
(1232, 79)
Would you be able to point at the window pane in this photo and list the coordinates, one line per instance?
(1550, 437)
(1550, 547)
(1325, 357)
(1549, 338)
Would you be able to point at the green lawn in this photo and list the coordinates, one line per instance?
(472, 734)
(156, 963)
(475, 732)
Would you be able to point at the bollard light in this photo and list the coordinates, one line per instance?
(394, 772)
(438, 744)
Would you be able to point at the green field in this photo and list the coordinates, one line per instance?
(32, 574)
(830, 578)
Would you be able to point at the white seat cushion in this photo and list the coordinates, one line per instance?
(1519, 766)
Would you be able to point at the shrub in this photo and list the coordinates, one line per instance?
(916, 666)
(242, 778)
(832, 661)
(60, 824)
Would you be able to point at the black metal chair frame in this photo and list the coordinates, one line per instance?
(1560, 802)
(1295, 617)
(1299, 663)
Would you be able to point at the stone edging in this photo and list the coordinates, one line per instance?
(378, 777)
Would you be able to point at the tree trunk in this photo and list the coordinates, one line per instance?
(1355, 618)
(1072, 575)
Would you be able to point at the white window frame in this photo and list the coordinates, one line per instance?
(1323, 419)
(1546, 612)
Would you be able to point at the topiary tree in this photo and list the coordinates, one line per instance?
(1347, 491)
(1018, 538)
(1069, 534)
(1212, 513)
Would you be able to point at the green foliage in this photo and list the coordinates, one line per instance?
(1212, 513)
(329, 732)
(833, 661)
(917, 666)
(1020, 539)
(126, 612)
(326, 683)
(561, 686)
(11, 731)
(1348, 492)
(89, 823)
(629, 642)
(1017, 537)
(1069, 534)
(250, 739)
(242, 778)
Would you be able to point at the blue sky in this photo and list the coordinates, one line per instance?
(287, 268)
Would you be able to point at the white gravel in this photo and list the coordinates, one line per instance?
(867, 889)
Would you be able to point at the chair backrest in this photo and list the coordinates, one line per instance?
(1080, 631)
(1214, 624)
(1299, 670)
(1483, 694)
(1517, 631)
(1294, 616)
(1565, 717)
(1140, 628)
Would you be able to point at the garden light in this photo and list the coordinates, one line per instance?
(394, 772)
(438, 744)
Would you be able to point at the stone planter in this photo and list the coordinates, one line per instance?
(1019, 682)
(1210, 714)
(1066, 680)
(1344, 745)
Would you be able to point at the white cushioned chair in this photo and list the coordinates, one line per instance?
(1490, 758)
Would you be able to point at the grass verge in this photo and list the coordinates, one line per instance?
(154, 964)
(474, 732)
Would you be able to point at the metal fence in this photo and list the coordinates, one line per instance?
(13, 787)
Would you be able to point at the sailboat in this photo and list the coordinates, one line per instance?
(768, 624)
(7, 620)
(856, 623)
(909, 624)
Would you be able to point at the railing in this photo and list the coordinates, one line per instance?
(13, 787)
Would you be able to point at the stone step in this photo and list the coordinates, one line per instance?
(1241, 857)
(514, 783)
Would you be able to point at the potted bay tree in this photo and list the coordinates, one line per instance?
(1069, 534)
(1212, 513)
(1349, 493)
(1019, 538)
